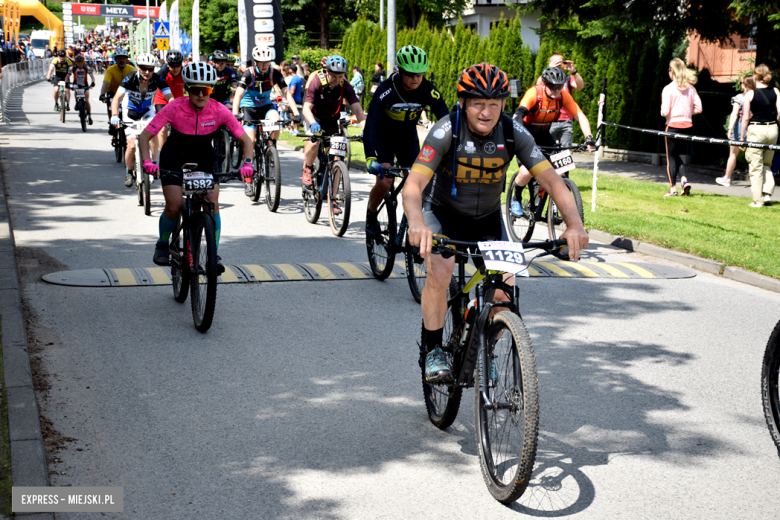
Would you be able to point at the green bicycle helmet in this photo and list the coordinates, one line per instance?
(412, 60)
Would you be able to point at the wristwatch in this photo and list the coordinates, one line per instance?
(247, 161)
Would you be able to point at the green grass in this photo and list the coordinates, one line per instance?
(358, 152)
(718, 227)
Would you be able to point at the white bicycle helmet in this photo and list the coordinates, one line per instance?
(146, 60)
(199, 73)
(263, 53)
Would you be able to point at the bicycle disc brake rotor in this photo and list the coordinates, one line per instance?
(515, 396)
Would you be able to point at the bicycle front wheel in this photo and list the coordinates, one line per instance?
(520, 228)
(139, 182)
(147, 193)
(204, 275)
(381, 248)
(348, 156)
(273, 178)
(257, 178)
(416, 270)
(83, 117)
(339, 198)
(555, 223)
(62, 107)
(506, 434)
(443, 400)
(119, 149)
(180, 273)
(770, 391)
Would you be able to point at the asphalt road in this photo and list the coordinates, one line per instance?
(304, 399)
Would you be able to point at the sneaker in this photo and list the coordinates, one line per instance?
(67, 108)
(129, 180)
(723, 181)
(767, 199)
(89, 119)
(220, 267)
(516, 209)
(372, 224)
(336, 208)
(306, 179)
(161, 253)
(248, 191)
(671, 193)
(756, 204)
(56, 107)
(686, 187)
(437, 369)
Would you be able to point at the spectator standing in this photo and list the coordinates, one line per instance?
(562, 130)
(764, 104)
(306, 72)
(679, 103)
(735, 128)
(47, 53)
(377, 78)
(295, 87)
(357, 82)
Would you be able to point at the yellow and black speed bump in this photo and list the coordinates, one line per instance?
(350, 271)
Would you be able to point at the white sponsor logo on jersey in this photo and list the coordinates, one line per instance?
(470, 148)
(439, 134)
(520, 128)
(536, 153)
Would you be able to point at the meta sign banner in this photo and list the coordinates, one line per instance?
(114, 11)
(263, 23)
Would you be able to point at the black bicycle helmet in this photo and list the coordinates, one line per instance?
(483, 81)
(61, 53)
(174, 58)
(553, 76)
(219, 56)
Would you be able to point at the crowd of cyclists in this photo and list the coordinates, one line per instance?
(456, 177)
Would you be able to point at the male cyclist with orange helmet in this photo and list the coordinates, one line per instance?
(478, 142)
(539, 109)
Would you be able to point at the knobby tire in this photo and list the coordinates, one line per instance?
(381, 249)
(416, 270)
(203, 279)
(770, 374)
(556, 226)
(339, 177)
(273, 178)
(180, 273)
(520, 228)
(257, 178)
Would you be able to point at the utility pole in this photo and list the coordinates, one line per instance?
(381, 14)
(148, 30)
(390, 36)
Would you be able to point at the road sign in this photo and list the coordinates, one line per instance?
(161, 30)
(163, 44)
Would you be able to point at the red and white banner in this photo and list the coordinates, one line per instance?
(86, 9)
(115, 11)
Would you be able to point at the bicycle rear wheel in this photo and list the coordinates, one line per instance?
(507, 433)
(83, 116)
(139, 182)
(348, 156)
(273, 178)
(555, 223)
(339, 182)
(443, 400)
(312, 202)
(236, 153)
(520, 228)
(204, 277)
(147, 193)
(770, 391)
(381, 248)
(257, 177)
(63, 104)
(180, 272)
(416, 270)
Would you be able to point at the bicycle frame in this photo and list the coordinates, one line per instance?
(394, 191)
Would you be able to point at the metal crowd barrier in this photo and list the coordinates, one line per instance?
(19, 74)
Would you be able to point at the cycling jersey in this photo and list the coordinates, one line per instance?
(175, 83)
(258, 87)
(327, 101)
(114, 76)
(390, 132)
(570, 84)
(543, 111)
(192, 132)
(80, 75)
(131, 86)
(61, 68)
(225, 80)
(482, 162)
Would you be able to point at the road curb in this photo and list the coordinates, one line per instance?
(28, 460)
(702, 264)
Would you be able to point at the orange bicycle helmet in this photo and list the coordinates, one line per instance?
(483, 81)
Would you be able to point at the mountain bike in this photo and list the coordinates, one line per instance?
(141, 180)
(63, 100)
(534, 200)
(382, 248)
(193, 246)
(118, 138)
(770, 390)
(330, 180)
(81, 103)
(268, 169)
(492, 352)
(344, 131)
(222, 147)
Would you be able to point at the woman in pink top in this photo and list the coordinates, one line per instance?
(679, 103)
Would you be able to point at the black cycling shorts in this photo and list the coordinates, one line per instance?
(454, 225)
(157, 108)
(543, 138)
(255, 113)
(405, 148)
(180, 149)
(329, 126)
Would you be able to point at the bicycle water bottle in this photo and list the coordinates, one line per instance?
(468, 321)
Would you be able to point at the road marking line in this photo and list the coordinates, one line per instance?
(533, 272)
(584, 270)
(617, 273)
(228, 276)
(322, 271)
(159, 276)
(125, 276)
(260, 274)
(290, 271)
(554, 268)
(638, 270)
(353, 271)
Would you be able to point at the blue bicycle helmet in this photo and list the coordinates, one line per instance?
(337, 64)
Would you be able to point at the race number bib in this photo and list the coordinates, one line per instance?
(562, 162)
(502, 256)
(269, 126)
(198, 182)
(79, 92)
(338, 146)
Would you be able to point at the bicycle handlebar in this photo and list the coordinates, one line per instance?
(221, 176)
(315, 138)
(576, 148)
(440, 243)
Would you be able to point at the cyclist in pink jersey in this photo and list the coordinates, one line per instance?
(193, 120)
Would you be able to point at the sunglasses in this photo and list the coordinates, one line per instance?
(410, 75)
(199, 91)
(553, 87)
(146, 69)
